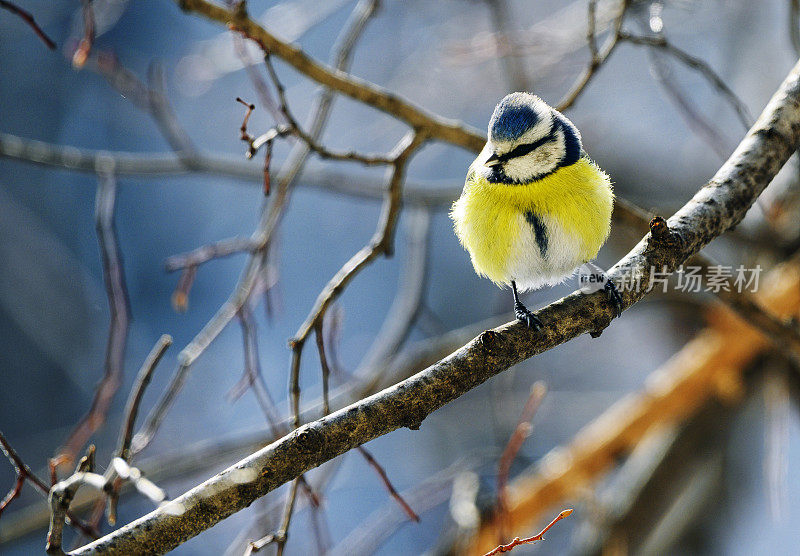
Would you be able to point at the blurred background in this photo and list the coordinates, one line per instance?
(656, 124)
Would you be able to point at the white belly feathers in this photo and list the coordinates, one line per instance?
(534, 263)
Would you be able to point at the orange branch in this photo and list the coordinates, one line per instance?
(709, 365)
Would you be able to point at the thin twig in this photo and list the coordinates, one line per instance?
(323, 152)
(598, 58)
(270, 218)
(85, 45)
(283, 532)
(323, 361)
(252, 374)
(25, 472)
(137, 392)
(660, 42)
(61, 496)
(131, 411)
(319, 335)
(15, 491)
(28, 18)
(591, 29)
(381, 243)
(180, 297)
(538, 537)
(261, 87)
(388, 484)
(518, 437)
(216, 250)
(693, 118)
(117, 293)
(265, 140)
(339, 81)
(164, 164)
(161, 111)
(151, 98)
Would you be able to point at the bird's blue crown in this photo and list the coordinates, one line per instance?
(512, 117)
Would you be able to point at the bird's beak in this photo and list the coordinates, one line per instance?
(493, 160)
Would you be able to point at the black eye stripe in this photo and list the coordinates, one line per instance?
(522, 150)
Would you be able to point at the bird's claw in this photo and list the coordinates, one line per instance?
(614, 297)
(528, 318)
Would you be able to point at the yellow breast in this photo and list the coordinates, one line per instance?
(578, 198)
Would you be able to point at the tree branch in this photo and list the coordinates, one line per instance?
(709, 365)
(716, 208)
(28, 18)
(336, 80)
(119, 308)
(271, 216)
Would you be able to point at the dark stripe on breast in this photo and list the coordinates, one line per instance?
(540, 231)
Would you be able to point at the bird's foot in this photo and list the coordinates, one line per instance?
(529, 319)
(614, 297)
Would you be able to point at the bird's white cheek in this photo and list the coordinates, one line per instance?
(540, 162)
(526, 168)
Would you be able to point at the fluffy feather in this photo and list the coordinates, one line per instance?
(574, 203)
(534, 206)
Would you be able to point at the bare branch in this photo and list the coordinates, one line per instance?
(520, 434)
(709, 365)
(261, 237)
(261, 87)
(162, 113)
(142, 380)
(116, 290)
(28, 18)
(363, 91)
(598, 58)
(216, 250)
(162, 164)
(61, 496)
(379, 244)
(537, 537)
(131, 410)
(323, 152)
(715, 208)
(25, 473)
(85, 45)
(252, 374)
(388, 484)
(693, 117)
(696, 64)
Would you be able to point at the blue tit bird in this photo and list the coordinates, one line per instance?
(534, 207)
